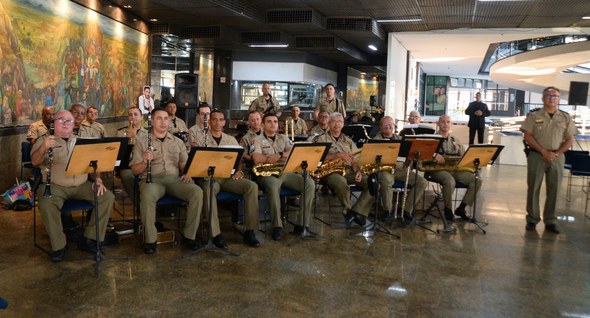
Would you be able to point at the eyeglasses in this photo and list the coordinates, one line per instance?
(552, 96)
(414, 116)
(62, 120)
(388, 125)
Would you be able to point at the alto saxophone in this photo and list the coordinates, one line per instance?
(329, 167)
(268, 169)
(451, 165)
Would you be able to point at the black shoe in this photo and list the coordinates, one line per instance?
(348, 219)
(190, 244)
(220, 242)
(277, 233)
(59, 255)
(530, 226)
(293, 201)
(89, 245)
(298, 230)
(461, 213)
(407, 217)
(449, 214)
(551, 228)
(250, 238)
(150, 248)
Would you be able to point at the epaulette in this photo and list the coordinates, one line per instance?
(123, 128)
(534, 109)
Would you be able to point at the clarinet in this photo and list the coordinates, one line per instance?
(206, 128)
(49, 164)
(148, 178)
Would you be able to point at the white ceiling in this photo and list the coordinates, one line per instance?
(460, 52)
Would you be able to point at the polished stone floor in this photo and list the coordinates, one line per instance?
(505, 273)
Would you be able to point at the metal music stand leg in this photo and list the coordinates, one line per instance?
(372, 227)
(315, 207)
(99, 257)
(306, 233)
(447, 228)
(473, 219)
(210, 246)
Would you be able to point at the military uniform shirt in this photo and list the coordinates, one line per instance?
(262, 105)
(343, 144)
(96, 128)
(122, 132)
(549, 132)
(226, 140)
(168, 154)
(197, 133)
(451, 147)
(177, 125)
(300, 127)
(331, 106)
(317, 130)
(379, 136)
(36, 130)
(61, 152)
(266, 146)
(247, 140)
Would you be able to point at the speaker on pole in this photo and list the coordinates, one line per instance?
(578, 94)
(186, 90)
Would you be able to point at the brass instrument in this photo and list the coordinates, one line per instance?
(371, 168)
(450, 165)
(290, 127)
(329, 167)
(268, 169)
(49, 163)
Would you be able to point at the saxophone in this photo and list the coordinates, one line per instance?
(49, 164)
(268, 169)
(370, 168)
(451, 165)
(327, 168)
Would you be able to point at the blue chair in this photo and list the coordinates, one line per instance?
(25, 157)
(569, 157)
(581, 168)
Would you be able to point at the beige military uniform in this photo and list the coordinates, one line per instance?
(416, 182)
(331, 106)
(36, 130)
(97, 128)
(65, 187)
(177, 125)
(550, 133)
(452, 147)
(260, 104)
(338, 183)
(86, 131)
(272, 185)
(317, 130)
(197, 133)
(299, 127)
(244, 187)
(127, 176)
(168, 155)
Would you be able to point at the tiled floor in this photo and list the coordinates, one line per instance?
(505, 273)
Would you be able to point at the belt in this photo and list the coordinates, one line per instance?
(534, 150)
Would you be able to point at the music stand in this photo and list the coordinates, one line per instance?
(416, 129)
(302, 156)
(423, 147)
(475, 157)
(212, 162)
(379, 153)
(90, 156)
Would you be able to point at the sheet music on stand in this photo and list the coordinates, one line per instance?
(301, 152)
(487, 154)
(102, 150)
(225, 160)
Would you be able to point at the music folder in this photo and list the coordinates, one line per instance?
(225, 160)
(487, 154)
(313, 153)
(387, 149)
(105, 151)
(425, 145)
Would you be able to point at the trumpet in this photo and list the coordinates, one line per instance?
(268, 169)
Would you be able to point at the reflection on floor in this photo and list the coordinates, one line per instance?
(505, 273)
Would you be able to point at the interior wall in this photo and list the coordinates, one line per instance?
(395, 90)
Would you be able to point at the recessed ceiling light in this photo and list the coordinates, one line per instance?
(586, 18)
(372, 47)
(154, 20)
(269, 45)
(134, 20)
(127, 6)
(400, 20)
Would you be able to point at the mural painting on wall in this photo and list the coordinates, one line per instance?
(57, 53)
(360, 97)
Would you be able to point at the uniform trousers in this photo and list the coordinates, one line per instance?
(339, 184)
(249, 191)
(50, 211)
(150, 193)
(448, 181)
(272, 189)
(537, 169)
(418, 184)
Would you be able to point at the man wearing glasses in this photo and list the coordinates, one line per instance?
(91, 117)
(81, 127)
(65, 187)
(549, 132)
(197, 131)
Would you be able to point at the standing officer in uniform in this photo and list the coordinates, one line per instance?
(41, 127)
(549, 132)
(65, 187)
(345, 149)
(265, 103)
(386, 179)
(477, 111)
(236, 184)
(330, 104)
(272, 148)
(451, 147)
(168, 156)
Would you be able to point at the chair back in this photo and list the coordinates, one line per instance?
(569, 155)
(25, 152)
(581, 164)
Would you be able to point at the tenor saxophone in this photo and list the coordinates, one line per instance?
(268, 169)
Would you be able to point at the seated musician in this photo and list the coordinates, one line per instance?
(40, 127)
(236, 184)
(451, 147)
(322, 125)
(247, 141)
(177, 126)
(274, 148)
(131, 131)
(299, 124)
(63, 187)
(82, 128)
(168, 156)
(91, 117)
(197, 131)
(344, 148)
(417, 182)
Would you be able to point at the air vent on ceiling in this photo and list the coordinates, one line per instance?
(315, 42)
(160, 28)
(241, 8)
(210, 31)
(294, 16)
(260, 37)
(355, 24)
